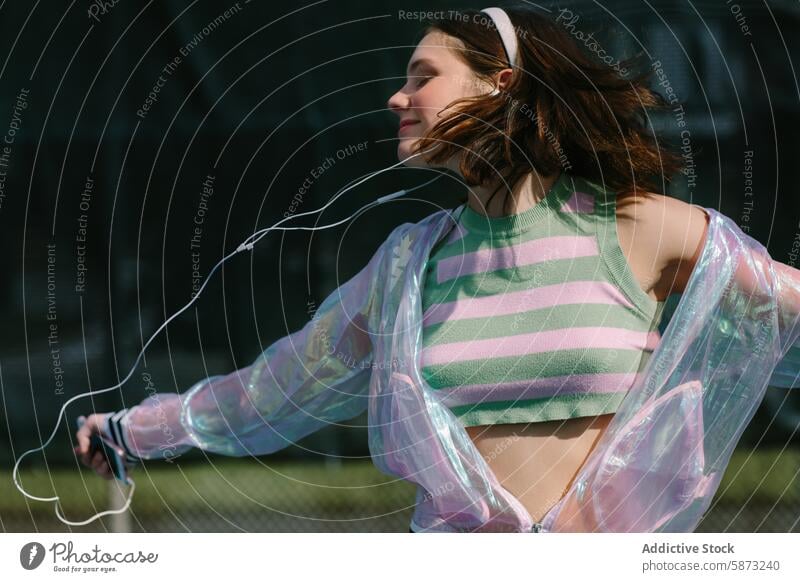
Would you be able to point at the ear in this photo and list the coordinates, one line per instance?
(503, 78)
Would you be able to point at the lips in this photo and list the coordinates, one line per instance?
(406, 122)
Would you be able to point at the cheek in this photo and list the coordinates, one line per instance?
(432, 103)
(426, 104)
(434, 98)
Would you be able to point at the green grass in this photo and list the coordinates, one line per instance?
(763, 476)
(220, 482)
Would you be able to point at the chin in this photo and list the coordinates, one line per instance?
(405, 149)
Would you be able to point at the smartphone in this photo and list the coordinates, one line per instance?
(114, 455)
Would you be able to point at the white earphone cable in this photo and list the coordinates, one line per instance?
(247, 245)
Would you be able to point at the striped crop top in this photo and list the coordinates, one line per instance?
(536, 316)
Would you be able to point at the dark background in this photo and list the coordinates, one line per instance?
(258, 103)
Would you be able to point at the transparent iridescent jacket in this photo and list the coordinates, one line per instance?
(655, 469)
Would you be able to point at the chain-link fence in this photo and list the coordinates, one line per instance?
(760, 493)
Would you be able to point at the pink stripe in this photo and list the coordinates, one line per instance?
(597, 292)
(537, 388)
(538, 342)
(528, 253)
(579, 202)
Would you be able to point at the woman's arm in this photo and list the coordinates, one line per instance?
(787, 371)
(776, 286)
(302, 382)
(685, 228)
(677, 232)
(663, 238)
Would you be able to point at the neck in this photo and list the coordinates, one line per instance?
(526, 193)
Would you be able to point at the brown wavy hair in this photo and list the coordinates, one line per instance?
(562, 110)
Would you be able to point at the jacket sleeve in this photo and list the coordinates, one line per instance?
(787, 371)
(302, 382)
(776, 286)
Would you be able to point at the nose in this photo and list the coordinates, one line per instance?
(398, 102)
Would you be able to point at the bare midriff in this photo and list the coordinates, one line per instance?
(537, 462)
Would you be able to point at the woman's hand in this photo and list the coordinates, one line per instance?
(97, 462)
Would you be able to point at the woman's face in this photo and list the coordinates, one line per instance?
(434, 78)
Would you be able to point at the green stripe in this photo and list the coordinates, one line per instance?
(544, 319)
(538, 410)
(549, 227)
(519, 278)
(532, 366)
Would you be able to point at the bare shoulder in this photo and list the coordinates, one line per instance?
(665, 232)
(655, 214)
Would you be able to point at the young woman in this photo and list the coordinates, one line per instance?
(542, 303)
(555, 100)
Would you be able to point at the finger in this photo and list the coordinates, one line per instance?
(98, 460)
(83, 439)
(81, 457)
(84, 458)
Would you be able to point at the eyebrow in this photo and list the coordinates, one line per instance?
(416, 64)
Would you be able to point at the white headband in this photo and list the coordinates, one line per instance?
(506, 30)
